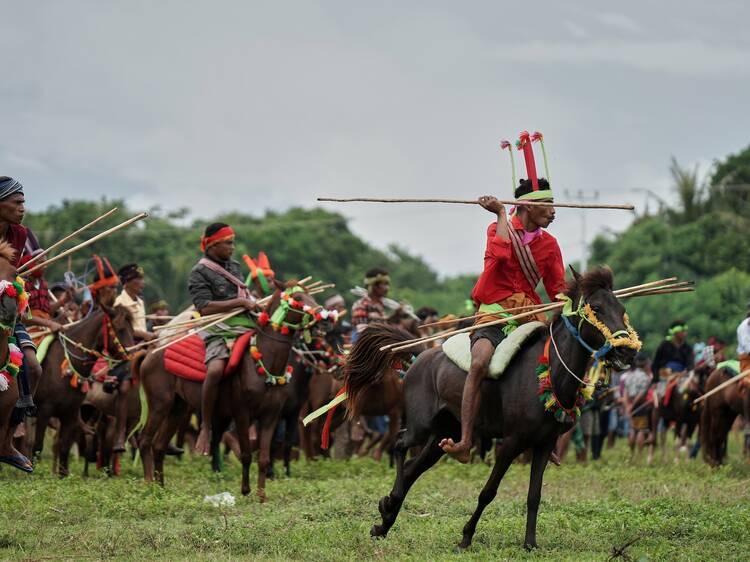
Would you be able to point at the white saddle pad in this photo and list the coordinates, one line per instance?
(458, 348)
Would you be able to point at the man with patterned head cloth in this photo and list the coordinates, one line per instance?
(370, 308)
(518, 255)
(216, 287)
(12, 211)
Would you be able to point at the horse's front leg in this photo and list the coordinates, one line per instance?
(504, 456)
(242, 425)
(538, 464)
(267, 429)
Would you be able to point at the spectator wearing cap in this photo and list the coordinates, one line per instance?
(133, 282)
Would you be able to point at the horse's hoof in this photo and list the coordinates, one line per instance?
(245, 492)
(530, 545)
(462, 547)
(378, 532)
(261, 496)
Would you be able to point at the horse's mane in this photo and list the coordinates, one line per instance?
(7, 251)
(590, 282)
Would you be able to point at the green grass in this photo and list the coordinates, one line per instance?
(677, 512)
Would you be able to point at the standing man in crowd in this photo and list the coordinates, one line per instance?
(370, 308)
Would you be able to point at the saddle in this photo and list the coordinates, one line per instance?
(187, 359)
(458, 348)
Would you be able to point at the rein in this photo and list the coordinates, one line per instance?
(107, 332)
(621, 338)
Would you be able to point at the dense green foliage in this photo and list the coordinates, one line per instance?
(704, 239)
(684, 511)
(299, 242)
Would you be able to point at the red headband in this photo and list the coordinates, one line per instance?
(224, 233)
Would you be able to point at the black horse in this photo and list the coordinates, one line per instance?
(510, 407)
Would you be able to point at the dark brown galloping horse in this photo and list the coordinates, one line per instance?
(104, 332)
(244, 396)
(510, 406)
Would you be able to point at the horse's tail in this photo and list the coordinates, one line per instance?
(367, 365)
(135, 365)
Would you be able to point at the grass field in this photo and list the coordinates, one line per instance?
(675, 511)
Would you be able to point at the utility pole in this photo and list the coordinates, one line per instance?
(584, 241)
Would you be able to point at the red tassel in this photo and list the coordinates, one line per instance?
(326, 436)
(528, 155)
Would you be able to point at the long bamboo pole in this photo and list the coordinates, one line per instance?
(541, 308)
(68, 237)
(476, 202)
(723, 385)
(88, 242)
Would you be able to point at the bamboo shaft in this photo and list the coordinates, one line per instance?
(88, 242)
(68, 237)
(630, 291)
(722, 386)
(476, 202)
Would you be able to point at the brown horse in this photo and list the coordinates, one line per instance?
(510, 407)
(244, 397)
(105, 328)
(719, 413)
(8, 397)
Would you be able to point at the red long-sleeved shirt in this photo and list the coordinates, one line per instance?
(503, 276)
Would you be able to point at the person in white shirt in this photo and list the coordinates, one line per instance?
(743, 342)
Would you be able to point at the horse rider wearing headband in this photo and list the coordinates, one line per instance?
(370, 308)
(518, 255)
(673, 355)
(12, 211)
(215, 286)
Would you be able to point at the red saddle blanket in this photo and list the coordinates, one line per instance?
(187, 359)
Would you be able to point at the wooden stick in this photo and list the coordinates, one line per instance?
(476, 202)
(222, 318)
(305, 280)
(542, 308)
(662, 292)
(192, 321)
(82, 245)
(403, 345)
(193, 331)
(68, 237)
(722, 386)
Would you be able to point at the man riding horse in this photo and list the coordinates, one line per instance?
(12, 211)
(216, 287)
(519, 253)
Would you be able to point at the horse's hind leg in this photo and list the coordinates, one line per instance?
(538, 464)
(504, 456)
(406, 474)
(242, 424)
(66, 435)
(164, 436)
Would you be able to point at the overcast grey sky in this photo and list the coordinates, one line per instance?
(226, 105)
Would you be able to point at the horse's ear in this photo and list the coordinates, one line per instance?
(576, 275)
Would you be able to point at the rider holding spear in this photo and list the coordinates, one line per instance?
(215, 286)
(518, 255)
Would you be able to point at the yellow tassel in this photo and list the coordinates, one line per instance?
(550, 403)
(587, 392)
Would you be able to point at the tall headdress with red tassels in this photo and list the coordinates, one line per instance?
(105, 275)
(524, 143)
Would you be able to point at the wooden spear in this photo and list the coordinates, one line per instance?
(538, 309)
(82, 245)
(476, 202)
(68, 237)
(723, 385)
